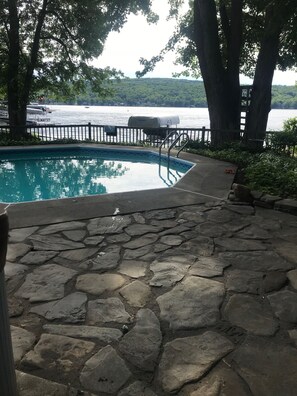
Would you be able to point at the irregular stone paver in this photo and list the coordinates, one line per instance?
(94, 240)
(292, 276)
(187, 359)
(246, 312)
(37, 258)
(221, 381)
(55, 228)
(15, 306)
(58, 354)
(107, 310)
(15, 250)
(106, 260)
(178, 230)
(45, 283)
(53, 242)
(266, 224)
(138, 218)
(257, 261)
(13, 269)
(245, 281)
(141, 229)
(145, 240)
(284, 305)
(221, 215)
(99, 284)
(196, 303)
(108, 225)
(75, 235)
(105, 372)
(19, 235)
(293, 335)
(133, 268)
(22, 341)
(268, 367)
(70, 309)
(163, 214)
(159, 247)
(192, 216)
(239, 245)
(274, 281)
(208, 267)
(168, 273)
(30, 385)
(138, 388)
(241, 209)
(103, 335)
(178, 256)
(136, 253)
(286, 250)
(164, 223)
(200, 246)
(136, 293)
(171, 240)
(118, 238)
(254, 232)
(78, 254)
(141, 345)
(211, 229)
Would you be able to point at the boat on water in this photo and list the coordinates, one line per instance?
(37, 114)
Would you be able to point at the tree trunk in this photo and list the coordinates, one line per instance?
(13, 68)
(221, 86)
(260, 106)
(24, 100)
(18, 95)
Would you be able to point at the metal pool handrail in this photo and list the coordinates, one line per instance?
(176, 140)
(166, 140)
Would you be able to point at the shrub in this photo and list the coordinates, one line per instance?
(273, 174)
(286, 140)
(269, 171)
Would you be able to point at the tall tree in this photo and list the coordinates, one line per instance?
(224, 38)
(49, 43)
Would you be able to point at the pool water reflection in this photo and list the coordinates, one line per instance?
(30, 175)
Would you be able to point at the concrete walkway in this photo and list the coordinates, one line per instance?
(198, 300)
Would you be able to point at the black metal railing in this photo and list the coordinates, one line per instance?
(103, 134)
(120, 134)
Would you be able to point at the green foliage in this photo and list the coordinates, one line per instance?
(235, 154)
(269, 172)
(57, 39)
(286, 140)
(166, 92)
(282, 14)
(290, 126)
(273, 174)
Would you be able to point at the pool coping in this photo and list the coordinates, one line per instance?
(209, 180)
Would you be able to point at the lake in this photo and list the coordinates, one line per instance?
(119, 115)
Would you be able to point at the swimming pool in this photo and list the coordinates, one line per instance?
(30, 174)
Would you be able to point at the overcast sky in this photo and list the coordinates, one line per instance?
(139, 39)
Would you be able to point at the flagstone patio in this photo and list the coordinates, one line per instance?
(198, 300)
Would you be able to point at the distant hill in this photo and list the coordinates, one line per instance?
(170, 92)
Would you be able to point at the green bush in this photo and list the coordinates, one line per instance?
(285, 141)
(269, 171)
(273, 174)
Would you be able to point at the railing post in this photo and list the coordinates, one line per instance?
(203, 135)
(8, 386)
(90, 131)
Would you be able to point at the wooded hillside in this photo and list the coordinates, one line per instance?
(170, 92)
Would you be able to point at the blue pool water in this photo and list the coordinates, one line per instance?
(33, 175)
